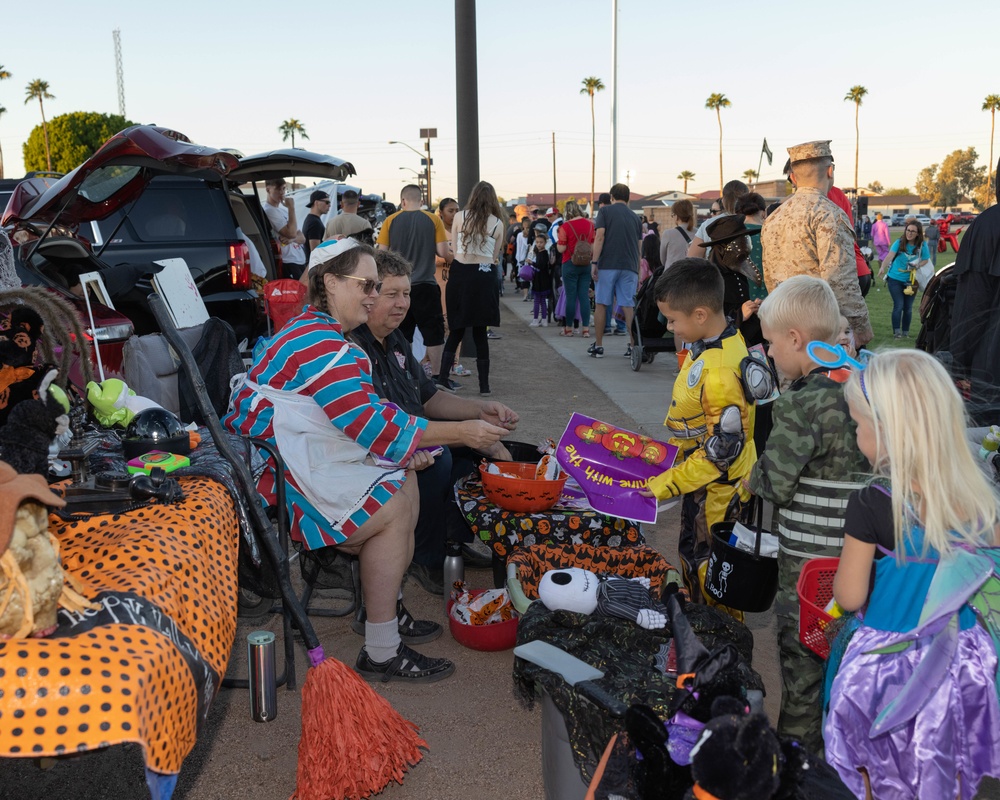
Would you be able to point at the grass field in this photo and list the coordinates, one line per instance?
(880, 304)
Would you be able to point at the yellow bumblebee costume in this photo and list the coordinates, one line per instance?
(711, 421)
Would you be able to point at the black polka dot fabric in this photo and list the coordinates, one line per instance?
(123, 682)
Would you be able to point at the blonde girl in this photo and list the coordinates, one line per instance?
(928, 514)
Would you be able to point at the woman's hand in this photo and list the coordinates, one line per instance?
(750, 308)
(498, 452)
(421, 459)
(498, 414)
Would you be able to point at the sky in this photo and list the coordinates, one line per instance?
(358, 74)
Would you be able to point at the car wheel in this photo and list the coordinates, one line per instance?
(251, 605)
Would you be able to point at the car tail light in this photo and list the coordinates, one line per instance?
(239, 265)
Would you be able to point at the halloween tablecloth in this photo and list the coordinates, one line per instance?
(146, 666)
(505, 530)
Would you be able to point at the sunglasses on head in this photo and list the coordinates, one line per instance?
(367, 284)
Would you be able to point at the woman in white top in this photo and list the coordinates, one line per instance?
(473, 292)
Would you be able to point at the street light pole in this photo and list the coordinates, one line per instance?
(427, 197)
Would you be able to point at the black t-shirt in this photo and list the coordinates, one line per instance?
(312, 228)
(869, 518)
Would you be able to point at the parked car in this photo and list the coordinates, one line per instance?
(370, 206)
(963, 217)
(898, 219)
(923, 219)
(150, 194)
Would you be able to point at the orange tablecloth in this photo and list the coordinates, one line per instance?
(147, 665)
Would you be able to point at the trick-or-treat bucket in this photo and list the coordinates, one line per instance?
(815, 591)
(737, 578)
(681, 355)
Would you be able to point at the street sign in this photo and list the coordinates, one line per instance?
(428, 133)
(423, 162)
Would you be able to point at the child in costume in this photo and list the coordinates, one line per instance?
(710, 418)
(541, 281)
(807, 471)
(913, 704)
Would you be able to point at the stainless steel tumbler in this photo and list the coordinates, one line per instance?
(263, 691)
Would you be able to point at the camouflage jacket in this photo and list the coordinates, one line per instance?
(808, 234)
(810, 465)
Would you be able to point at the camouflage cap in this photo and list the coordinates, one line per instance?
(804, 152)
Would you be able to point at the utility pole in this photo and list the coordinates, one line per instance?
(554, 170)
(119, 71)
(466, 98)
(427, 134)
(614, 92)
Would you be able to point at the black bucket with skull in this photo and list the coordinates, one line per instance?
(738, 578)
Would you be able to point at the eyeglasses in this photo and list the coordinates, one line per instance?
(912, 230)
(367, 284)
(715, 211)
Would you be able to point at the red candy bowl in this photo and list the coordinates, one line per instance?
(521, 493)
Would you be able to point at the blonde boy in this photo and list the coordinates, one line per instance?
(807, 471)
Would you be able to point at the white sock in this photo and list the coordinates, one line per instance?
(382, 640)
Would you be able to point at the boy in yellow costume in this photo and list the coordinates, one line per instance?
(710, 418)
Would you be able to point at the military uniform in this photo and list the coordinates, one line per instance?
(807, 471)
(808, 234)
(708, 387)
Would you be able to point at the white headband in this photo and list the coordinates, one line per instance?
(331, 248)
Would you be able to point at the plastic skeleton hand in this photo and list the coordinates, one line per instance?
(650, 620)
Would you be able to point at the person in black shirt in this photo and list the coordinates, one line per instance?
(312, 228)
(477, 424)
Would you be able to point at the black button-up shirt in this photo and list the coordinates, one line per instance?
(396, 374)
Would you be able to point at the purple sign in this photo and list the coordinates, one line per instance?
(611, 464)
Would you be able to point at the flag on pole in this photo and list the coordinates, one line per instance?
(767, 152)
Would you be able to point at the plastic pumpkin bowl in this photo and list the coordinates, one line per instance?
(522, 493)
(489, 638)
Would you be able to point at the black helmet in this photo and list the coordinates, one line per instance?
(155, 429)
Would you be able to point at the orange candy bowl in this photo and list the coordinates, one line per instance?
(522, 493)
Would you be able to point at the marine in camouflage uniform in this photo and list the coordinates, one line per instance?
(809, 234)
(807, 471)
(708, 394)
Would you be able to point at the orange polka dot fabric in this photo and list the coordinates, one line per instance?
(147, 665)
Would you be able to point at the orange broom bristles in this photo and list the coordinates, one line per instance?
(353, 741)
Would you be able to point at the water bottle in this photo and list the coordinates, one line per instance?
(263, 688)
(454, 569)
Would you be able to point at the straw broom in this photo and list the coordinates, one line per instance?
(353, 741)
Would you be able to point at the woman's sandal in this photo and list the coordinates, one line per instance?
(586, 333)
(566, 332)
(408, 665)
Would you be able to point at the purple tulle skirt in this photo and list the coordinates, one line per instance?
(945, 750)
(560, 311)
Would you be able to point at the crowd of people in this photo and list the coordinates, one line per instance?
(835, 453)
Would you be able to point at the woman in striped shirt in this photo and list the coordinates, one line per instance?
(349, 454)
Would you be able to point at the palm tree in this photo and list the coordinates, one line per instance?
(716, 102)
(750, 176)
(855, 94)
(991, 104)
(4, 75)
(591, 86)
(686, 175)
(39, 89)
(289, 128)
(2, 112)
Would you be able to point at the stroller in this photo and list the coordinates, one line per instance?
(649, 331)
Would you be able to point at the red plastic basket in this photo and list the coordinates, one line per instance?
(815, 590)
(284, 299)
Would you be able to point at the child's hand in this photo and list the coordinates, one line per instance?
(645, 493)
